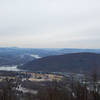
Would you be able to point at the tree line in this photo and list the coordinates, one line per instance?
(88, 89)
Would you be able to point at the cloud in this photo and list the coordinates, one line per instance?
(50, 23)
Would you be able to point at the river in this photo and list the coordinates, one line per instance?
(10, 68)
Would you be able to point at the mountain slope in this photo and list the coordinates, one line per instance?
(68, 62)
(17, 56)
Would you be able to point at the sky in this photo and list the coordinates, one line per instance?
(50, 23)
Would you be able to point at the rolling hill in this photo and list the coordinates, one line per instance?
(75, 62)
(16, 56)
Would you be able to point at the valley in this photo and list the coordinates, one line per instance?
(63, 74)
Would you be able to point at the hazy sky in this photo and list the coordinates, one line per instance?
(50, 23)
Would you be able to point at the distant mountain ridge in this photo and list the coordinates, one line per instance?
(17, 56)
(75, 62)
